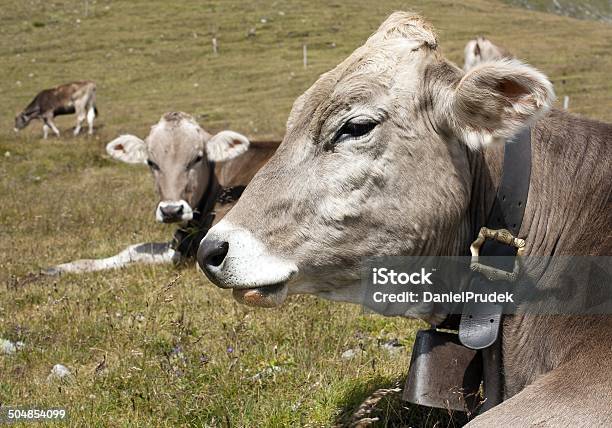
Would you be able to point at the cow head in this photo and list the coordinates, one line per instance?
(179, 154)
(375, 161)
(22, 120)
(481, 50)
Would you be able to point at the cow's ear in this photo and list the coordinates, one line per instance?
(472, 54)
(497, 99)
(128, 149)
(226, 145)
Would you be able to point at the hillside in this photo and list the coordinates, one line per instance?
(599, 10)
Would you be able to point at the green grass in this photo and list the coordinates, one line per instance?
(148, 346)
(584, 9)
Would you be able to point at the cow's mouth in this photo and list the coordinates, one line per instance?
(172, 220)
(269, 296)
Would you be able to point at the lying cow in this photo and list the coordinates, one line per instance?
(481, 50)
(390, 154)
(198, 178)
(76, 97)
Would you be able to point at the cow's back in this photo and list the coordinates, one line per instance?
(60, 99)
(239, 171)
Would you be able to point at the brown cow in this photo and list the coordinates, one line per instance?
(390, 153)
(198, 178)
(75, 97)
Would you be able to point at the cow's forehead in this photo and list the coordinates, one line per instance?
(381, 65)
(371, 71)
(176, 135)
(401, 34)
(372, 67)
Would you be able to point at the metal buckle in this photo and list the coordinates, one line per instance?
(502, 236)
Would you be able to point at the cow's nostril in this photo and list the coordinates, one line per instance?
(217, 259)
(212, 253)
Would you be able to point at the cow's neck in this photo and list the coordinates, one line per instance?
(486, 170)
(207, 201)
(188, 236)
(566, 152)
(564, 215)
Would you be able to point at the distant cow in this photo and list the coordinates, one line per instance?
(481, 50)
(75, 97)
(198, 178)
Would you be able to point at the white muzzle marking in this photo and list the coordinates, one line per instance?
(184, 210)
(257, 277)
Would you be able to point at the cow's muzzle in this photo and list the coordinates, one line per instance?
(231, 257)
(173, 212)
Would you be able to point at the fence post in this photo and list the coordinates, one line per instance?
(566, 102)
(215, 46)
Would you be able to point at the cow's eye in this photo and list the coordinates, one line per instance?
(354, 129)
(194, 162)
(152, 165)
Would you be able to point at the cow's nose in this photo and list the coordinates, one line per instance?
(211, 254)
(171, 211)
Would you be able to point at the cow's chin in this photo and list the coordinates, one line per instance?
(269, 296)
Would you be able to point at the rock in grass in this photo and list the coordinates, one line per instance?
(9, 348)
(60, 372)
(349, 354)
(267, 372)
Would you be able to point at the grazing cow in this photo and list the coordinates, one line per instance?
(75, 97)
(198, 179)
(390, 153)
(481, 50)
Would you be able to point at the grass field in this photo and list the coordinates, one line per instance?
(600, 10)
(159, 346)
